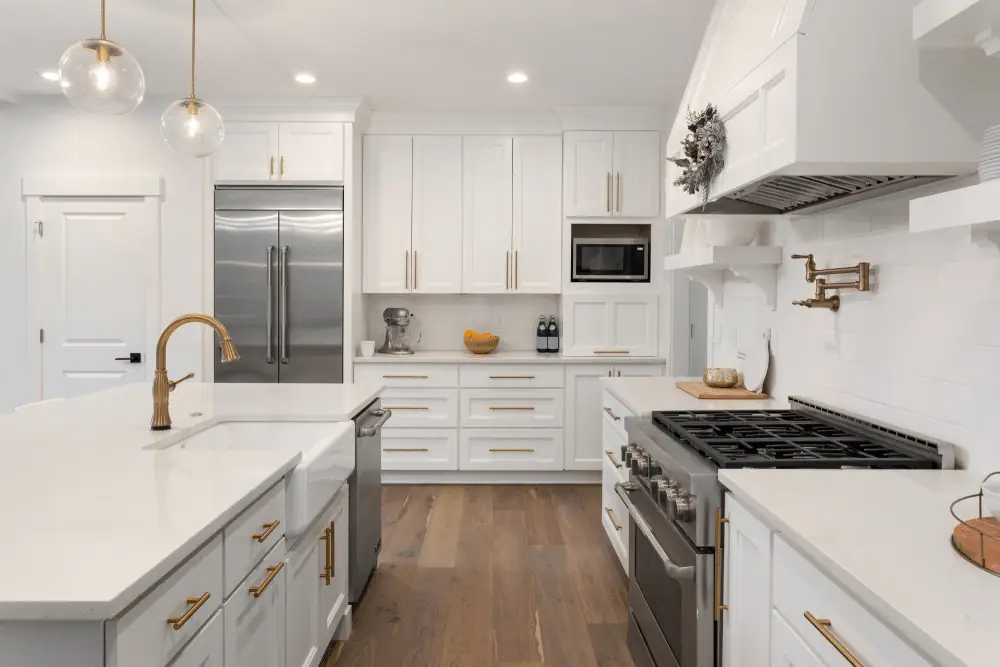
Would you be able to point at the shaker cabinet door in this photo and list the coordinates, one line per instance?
(311, 151)
(333, 591)
(584, 431)
(387, 210)
(437, 215)
(255, 615)
(588, 177)
(488, 184)
(538, 221)
(746, 588)
(248, 153)
(637, 174)
(305, 564)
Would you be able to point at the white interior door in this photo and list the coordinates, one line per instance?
(96, 287)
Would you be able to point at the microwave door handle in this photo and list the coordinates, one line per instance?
(674, 571)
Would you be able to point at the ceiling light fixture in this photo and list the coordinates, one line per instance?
(517, 77)
(305, 78)
(192, 126)
(100, 76)
(49, 74)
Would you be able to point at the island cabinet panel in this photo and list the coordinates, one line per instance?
(255, 615)
(253, 534)
(142, 637)
(207, 649)
(333, 590)
(306, 565)
(51, 643)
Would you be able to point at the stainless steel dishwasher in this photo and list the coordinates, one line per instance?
(366, 498)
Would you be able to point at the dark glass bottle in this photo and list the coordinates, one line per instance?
(541, 336)
(553, 335)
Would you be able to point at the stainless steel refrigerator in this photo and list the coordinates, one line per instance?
(279, 282)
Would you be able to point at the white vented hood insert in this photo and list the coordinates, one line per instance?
(824, 105)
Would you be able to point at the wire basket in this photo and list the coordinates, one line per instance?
(977, 540)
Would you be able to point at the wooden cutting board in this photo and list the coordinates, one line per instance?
(702, 390)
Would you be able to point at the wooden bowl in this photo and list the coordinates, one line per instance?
(481, 345)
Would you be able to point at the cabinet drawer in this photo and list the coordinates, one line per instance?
(142, 637)
(614, 518)
(407, 374)
(614, 413)
(511, 449)
(254, 614)
(503, 408)
(252, 534)
(506, 377)
(420, 449)
(799, 587)
(207, 649)
(611, 464)
(431, 408)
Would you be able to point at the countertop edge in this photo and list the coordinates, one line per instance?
(462, 358)
(886, 612)
(612, 389)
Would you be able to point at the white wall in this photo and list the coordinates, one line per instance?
(922, 351)
(47, 136)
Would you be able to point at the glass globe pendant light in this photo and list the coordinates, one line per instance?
(99, 76)
(192, 126)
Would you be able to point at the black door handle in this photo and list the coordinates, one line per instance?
(132, 358)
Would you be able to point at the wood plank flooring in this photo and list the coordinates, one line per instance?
(492, 576)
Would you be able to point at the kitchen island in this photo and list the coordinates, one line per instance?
(114, 528)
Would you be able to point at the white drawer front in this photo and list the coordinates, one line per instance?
(517, 408)
(143, 637)
(799, 587)
(255, 614)
(430, 408)
(511, 449)
(252, 534)
(612, 462)
(207, 649)
(615, 412)
(614, 518)
(407, 374)
(420, 449)
(506, 377)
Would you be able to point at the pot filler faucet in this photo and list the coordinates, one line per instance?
(862, 284)
(162, 386)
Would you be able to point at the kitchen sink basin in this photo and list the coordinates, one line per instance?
(327, 459)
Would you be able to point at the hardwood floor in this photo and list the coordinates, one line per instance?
(492, 576)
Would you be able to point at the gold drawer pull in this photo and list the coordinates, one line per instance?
(406, 449)
(196, 603)
(612, 414)
(511, 408)
(522, 451)
(332, 545)
(404, 377)
(512, 377)
(611, 516)
(268, 529)
(405, 407)
(327, 572)
(611, 352)
(823, 625)
(272, 572)
(611, 457)
(719, 555)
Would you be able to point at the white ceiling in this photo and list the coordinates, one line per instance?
(399, 54)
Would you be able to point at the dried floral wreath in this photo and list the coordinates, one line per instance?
(704, 152)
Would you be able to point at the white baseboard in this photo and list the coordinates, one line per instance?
(469, 477)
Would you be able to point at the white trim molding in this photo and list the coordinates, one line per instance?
(92, 185)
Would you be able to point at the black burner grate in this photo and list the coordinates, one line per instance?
(788, 439)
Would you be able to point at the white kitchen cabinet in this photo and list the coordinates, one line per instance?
(614, 516)
(305, 565)
(787, 648)
(207, 649)
(537, 230)
(584, 434)
(249, 153)
(387, 211)
(437, 215)
(311, 151)
(420, 449)
(333, 590)
(254, 615)
(610, 325)
(511, 449)
(612, 174)
(746, 590)
(263, 151)
(488, 192)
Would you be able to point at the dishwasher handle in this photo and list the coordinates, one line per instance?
(674, 571)
(371, 431)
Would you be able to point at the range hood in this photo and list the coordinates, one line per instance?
(825, 104)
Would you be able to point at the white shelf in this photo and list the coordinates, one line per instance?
(758, 265)
(958, 24)
(976, 206)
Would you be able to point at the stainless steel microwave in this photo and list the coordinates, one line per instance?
(611, 260)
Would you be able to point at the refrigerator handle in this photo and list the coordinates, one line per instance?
(283, 305)
(269, 326)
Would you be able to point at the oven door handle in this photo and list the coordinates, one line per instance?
(674, 571)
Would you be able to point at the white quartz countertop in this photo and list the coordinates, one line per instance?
(885, 536)
(97, 507)
(644, 395)
(502, 357)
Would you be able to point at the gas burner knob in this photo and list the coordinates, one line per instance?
(655, 469)
(625, 449)
(629, 453)
(685, 508)
(642, 463)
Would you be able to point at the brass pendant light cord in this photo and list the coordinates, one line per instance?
(194, 9)
(104, 35)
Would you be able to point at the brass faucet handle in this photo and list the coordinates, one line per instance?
(174, 383)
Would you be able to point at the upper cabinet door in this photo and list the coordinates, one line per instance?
(387, 209)
(634, 322)
(589, 165)
(637, 174)
(249, 153)
(437, 215)
(488, 213)
(311, 152)
(538, 215)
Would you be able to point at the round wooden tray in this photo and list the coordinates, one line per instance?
(973, 537)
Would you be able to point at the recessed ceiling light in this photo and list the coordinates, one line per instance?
(49, 75)
(305, 77)
(517, 77)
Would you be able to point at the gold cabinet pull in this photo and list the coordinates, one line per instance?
(327, 573)
(611, 352)
(517, 269)
(177, 622)
(526, 450)
(282, 162)
(406, 271)
(404, 377)
(333, 552)
(609, 192)
(270, 173)
(618, 192)
(414, 269)
(612, 414)
(823, 626)
(511, 408)
(512, 377)
(268, 529)
(611, 516)
(405, 449)
(719, 607)
(405, 407)
(611, 457)
(272, 572)
(506, 268)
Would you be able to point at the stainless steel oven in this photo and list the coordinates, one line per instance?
(606, 259)
(670, 594)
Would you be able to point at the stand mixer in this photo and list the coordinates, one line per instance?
(397, 326)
